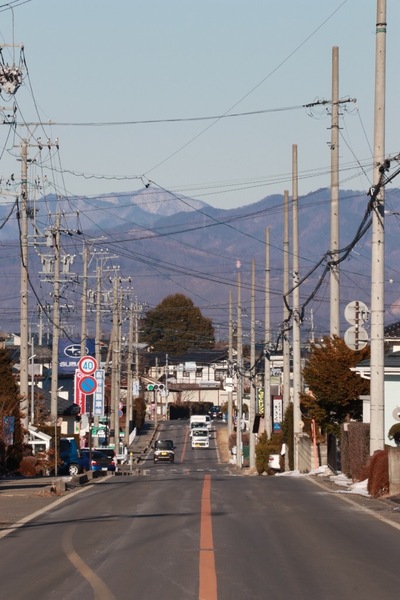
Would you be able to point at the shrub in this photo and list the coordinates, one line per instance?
(378, 473)
(394, 433)
(264, 448)
(262, 454)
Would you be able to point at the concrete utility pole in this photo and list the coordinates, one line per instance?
(98, 315)
(230, 357)
(253, 379)
(129, 384)
(285, 326)
(23, 215)
(334, 271)
(239, 377)
(297, 422)
(138, 309)
(56, 319)
(267, 340)
(114, 364)
(84, 300)
(377, 433)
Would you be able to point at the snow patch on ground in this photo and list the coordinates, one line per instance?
(349, 487)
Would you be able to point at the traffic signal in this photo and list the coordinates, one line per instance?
(155, 387)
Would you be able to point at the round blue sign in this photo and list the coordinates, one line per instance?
(87, 384)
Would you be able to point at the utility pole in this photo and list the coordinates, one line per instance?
(285, 326)
(98, 314)
(334, 269)
(114, 365)
(138, 309)
(56, 319)
(23, 215)
(84, 300)
(129, 390)
(230, 357)
(297, 422)
(253, 376)
(239, 376)
(377, 434)
(267, 340)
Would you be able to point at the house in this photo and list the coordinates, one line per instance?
(391, 380)
(195, 376)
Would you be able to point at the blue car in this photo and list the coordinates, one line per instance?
(96, 461)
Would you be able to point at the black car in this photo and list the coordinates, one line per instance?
(164, 451)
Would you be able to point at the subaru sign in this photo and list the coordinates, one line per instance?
(69, 354)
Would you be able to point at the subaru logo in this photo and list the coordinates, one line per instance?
(74, 350)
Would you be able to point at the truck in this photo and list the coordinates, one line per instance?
(204, 419)
(200, 437)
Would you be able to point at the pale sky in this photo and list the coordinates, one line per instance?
(125, 61)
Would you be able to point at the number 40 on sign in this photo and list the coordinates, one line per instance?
(87, 365)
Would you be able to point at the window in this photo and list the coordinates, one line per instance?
(219, 374)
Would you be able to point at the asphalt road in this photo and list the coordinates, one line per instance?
(196, 530)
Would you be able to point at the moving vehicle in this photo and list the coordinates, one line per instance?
(204, 419)
(164, 451)
(200, 437)
(215, 412)
(96, 461)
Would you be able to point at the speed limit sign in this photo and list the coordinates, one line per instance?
(87, 365)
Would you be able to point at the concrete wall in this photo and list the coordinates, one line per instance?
(394, 471)
(307, 461)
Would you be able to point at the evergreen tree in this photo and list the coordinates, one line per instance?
(10, 417)
(177, 325)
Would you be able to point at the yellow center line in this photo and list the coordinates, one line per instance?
(207, 574)
(100, 590)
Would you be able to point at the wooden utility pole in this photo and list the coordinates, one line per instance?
(297, 422)
(377, 433)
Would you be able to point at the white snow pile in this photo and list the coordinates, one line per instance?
(349, 487)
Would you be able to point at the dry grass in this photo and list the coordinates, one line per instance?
(222, 443)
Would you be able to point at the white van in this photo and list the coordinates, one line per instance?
(200, 437)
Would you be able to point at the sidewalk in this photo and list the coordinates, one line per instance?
(22, 497)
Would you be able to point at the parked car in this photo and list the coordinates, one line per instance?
(110, 452)
(96, 461)
(164, 451)
(70, 457)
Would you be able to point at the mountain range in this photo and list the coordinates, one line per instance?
(168, 243)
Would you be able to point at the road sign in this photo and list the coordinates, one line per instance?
(98, 398)
(87, 365)
(356, 338)
(356, 313)
(87, 384)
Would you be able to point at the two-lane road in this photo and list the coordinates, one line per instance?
(191, 530)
